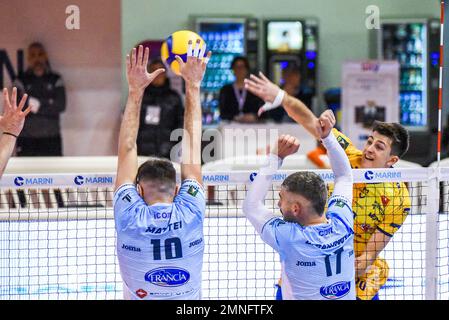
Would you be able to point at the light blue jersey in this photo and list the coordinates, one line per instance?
(160, 247)
(317, 261)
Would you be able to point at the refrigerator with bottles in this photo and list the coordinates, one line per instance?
(414, 43)
(226, 37)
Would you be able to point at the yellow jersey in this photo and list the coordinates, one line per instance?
(376, 206)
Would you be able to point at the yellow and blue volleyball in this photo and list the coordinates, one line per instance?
(176, 45)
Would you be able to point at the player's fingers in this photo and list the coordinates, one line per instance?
(196, 51)
(262, 76)
(140, 54)
(157, 72)
(252, 86)
(206, 60)
(133, 57)
(128, 63)
(22, 102)
(256, 79)
(146, 57)
(180, 61)
(6, 101)
(189, 49)
(26, 111)
(202, 51)
(14, 98)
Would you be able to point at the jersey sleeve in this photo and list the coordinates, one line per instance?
(191, 196)
(127, 202)
(396, 208)
(346, 143)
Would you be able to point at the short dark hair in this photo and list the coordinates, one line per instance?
(156, 60)
(310, 186)
(158, 170)
(240, 58)
(398, 135)
(38, 45)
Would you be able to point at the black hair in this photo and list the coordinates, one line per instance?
(158, 170)
(240, 58)
(310, 186)
(397, 133)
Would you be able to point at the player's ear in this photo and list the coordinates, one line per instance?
(139, 189)
(392, 161)
(176, 190)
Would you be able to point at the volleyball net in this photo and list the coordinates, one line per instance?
(57, 237)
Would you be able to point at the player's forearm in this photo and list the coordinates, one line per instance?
(191, 146)
(253, 206)
(299, 112)
(338, 160)
(7, 143)
(130, 122)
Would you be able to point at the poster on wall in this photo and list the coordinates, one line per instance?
(370, 92)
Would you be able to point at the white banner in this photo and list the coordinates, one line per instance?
(370, 92)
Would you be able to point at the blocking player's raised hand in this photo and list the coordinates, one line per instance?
(325, 123)
(192, 71)
(13, 117)
(285, 146)
(136, 69)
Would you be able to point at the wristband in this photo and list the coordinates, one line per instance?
(272, 105)
(10, 134)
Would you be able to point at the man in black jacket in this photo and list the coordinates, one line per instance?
(162, 112)
(41, 135)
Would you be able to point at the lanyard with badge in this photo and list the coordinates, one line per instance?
(240, 96)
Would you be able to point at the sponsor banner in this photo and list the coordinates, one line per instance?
(38, 181)
(106, 180)
(370, 92)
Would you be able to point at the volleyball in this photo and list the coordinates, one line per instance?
(176, 44)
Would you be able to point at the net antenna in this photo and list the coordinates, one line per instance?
(440, 88)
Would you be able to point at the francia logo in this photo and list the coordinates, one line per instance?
(79, 180)
(167, 277)
(252, 176)
(369, 175)
(336, 291)
(18, 181)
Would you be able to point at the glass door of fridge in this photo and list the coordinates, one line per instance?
(406, 42)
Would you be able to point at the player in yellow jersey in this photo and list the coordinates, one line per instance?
(379, 208)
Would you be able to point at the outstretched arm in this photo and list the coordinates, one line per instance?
(11, 123)
(138, 79)
(253, 206)
(339, 161)
(274, 97)
(192, 72)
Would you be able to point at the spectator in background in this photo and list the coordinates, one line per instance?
(292, 85)
(162, 112)
(236, 103)
(41, 135)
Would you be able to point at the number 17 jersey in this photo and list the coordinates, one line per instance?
(160, 247)
(317, 261)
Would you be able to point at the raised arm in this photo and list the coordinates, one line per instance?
(138, 79)
(192, 72)
(274, 97)
(11, 123)
(253, 206)
(337, 157)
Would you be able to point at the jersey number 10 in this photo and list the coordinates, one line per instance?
(169, 245)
